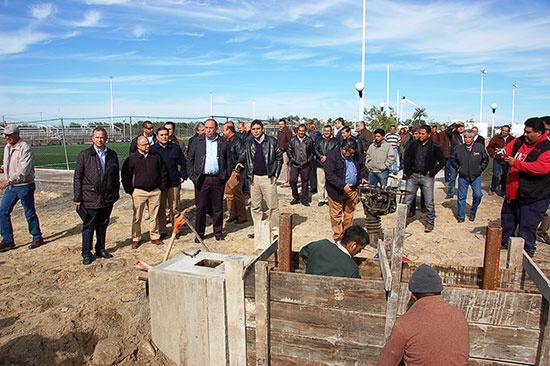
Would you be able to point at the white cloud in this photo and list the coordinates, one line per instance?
(288, 55)
(33, 90)
(139, 31)
(91, 19)
(42, 10)
(106, 2)
(19, 41)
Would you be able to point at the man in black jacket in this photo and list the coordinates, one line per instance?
(234, 196)
(422, 161)
(176, 169)
(147, 132)
(144, 177)
(455, 134)
(323, 146)
(469, 160)
(208, 169)
(345, 132)
(96, 186)
(300, 153)
(264, 159)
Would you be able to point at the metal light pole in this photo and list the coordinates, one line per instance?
(397, 107)
(253, 109)
(514, 86)
(211, 110)
(387, 88)
(360, 88)
(382, 105)
(483, 72)
(494, 108)
(111, 87)
(402, 102)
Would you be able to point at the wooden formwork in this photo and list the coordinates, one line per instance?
(296, 319)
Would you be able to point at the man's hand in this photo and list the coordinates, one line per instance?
(347, 188)
(182, 180)
(4, 184)
(239, 166)
(323, 159)
(364, 181)
(509, 160)
(77, 204)
(427, 174)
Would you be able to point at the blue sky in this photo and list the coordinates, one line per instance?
(290, 57)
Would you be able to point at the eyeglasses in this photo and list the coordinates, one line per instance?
(148, 128)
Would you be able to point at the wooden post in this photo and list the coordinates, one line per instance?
(262, 313)
(492, 257)
(235, 310)
(262, 234)
(285, 242)
(514, 260)
(384, 265)
(396, 266)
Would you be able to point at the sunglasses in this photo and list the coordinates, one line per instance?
(148, 128)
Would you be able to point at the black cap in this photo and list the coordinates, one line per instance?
(425, 280)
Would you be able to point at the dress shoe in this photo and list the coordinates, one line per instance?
(424, 209)
(135, 244)
(7, 245)
(37, 243)
(460, 221)
(157, 241)
(241, 221)
(250, 236)
(294, 202)
(410, 214)
(220, 237)
(320, 204)
(472, 218)
(231, 220)
(306, 203)
(428, 229)
(104, 254)
(163, 236)
(86, 260)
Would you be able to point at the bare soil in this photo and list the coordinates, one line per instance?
(55, 311)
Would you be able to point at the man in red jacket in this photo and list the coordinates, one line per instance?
(528, 184)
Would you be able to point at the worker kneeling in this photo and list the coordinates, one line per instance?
(431, 332)
(328, 259)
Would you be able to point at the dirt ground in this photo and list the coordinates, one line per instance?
(55, 311)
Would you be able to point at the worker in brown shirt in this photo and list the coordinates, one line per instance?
(431, 332)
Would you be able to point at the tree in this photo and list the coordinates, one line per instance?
(375, 119)
(419, 116)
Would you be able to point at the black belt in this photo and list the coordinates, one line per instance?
(211, 175)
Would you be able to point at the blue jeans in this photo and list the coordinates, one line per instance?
(463, 185)
(394, 168)
(499, 168)
(426, 184)
(12, 194)
(378, 178)
(448, 168)
(452, 181)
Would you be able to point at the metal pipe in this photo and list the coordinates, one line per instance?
(65, 144)
(285, 242)
(492, 257)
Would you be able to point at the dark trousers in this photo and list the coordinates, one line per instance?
(523, 217)
(304, 176)
(96, 220)
(313, 176)
(209, 193)
(412, 207)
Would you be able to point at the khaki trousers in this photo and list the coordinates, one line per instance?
(235, 197)
(341, 213)
(152, 199)
(168, 199)
(321, 187)
(263, 188)
(286, 167)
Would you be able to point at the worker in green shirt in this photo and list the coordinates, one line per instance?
(329, 259)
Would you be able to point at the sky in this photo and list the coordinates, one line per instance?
(260, 58)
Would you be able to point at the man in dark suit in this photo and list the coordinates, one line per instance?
(208, 169)
(96, 186)
(478, 138)
(147, 132)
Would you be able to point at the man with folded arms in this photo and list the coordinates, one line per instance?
(144, 177)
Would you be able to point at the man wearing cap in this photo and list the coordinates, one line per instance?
(431, 332)
(336, 259)
(18, 169)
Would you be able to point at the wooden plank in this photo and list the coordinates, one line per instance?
(503, 343)
(262, 234)
(485, 362)
(514, 260)
(324, 351)
(543, 354)
(384, 265)
(262, 314)
(396, 266)
(499, 308)
(235, 310)
(331, 292)
(262, 256)
(537, 276)
(329, 324)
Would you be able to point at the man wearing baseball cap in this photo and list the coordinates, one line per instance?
(431, 332)
(18, 185)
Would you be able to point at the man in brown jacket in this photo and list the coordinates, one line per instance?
(365, 136)
(283, 136)
(500, 168)
(431, 332)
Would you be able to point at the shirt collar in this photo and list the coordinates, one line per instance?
(262, 138)
(212, 140)
(341, 247)
(301, 140)
(99, 151)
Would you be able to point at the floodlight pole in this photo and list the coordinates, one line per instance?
(362, 94)
(211, 107)
(514, 86)
(112, 124)
(483, 72)
(494, 108)
(397, 107)
(387, 89)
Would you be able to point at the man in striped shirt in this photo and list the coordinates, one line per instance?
(394, 140)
